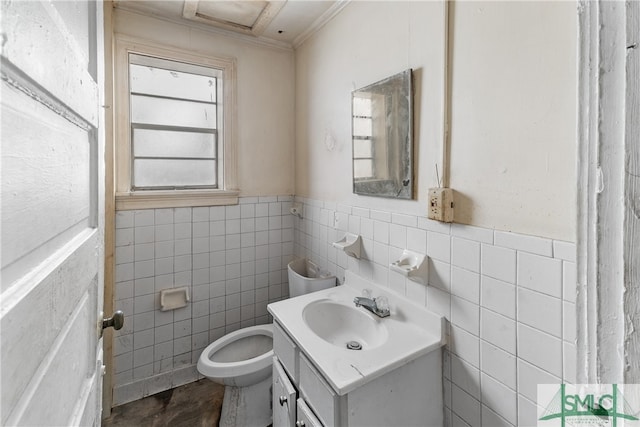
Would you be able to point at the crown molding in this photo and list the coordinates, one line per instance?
(327, 16)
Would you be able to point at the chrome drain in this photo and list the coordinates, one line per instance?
(354, 345)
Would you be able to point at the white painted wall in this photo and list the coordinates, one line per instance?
(366, 42)
(513, 135)
(513, 87)
(265, 104)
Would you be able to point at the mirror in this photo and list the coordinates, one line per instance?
(382, 135)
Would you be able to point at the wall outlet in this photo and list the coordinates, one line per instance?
(440, 204)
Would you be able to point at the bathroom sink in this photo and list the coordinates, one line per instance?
(322, 323)
(344, 326)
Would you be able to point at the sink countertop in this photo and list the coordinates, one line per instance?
(412, 332)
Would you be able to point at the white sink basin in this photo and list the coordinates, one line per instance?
(321, 323)
(341, 324)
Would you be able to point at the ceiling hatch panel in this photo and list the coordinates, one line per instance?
(249, 17)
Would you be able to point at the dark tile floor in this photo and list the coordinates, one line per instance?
(196, 404)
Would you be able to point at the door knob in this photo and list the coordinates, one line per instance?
(300, 424)
(116, 321)
(282, 400)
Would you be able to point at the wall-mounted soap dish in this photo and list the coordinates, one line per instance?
(351, 244)
(171, 299)
(413, 265)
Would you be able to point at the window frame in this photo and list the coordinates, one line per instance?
(126, 198)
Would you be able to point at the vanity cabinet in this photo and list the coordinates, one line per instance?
(295, 384)
(410, 395)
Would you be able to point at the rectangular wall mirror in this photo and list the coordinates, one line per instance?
(382, 134)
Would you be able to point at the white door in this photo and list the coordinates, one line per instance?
(52, 212)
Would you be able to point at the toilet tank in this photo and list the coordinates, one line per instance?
(305, 277)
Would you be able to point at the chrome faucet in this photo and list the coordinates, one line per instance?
(378, 306)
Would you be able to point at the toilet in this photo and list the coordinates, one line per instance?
(242, 360)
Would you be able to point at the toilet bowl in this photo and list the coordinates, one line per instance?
(242, 361)
(240, 358)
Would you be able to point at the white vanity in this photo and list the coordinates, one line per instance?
(393, 380)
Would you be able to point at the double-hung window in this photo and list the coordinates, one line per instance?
(174, 143)
(174, 113)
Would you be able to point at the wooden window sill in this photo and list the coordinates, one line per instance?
(175, 199)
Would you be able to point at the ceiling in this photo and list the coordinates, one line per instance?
(285, 23)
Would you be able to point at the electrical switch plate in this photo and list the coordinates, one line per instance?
(440, 204)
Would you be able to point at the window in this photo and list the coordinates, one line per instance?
(174, 124)
(174, 138)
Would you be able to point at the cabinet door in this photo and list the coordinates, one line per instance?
(284, 397)
(305, 417)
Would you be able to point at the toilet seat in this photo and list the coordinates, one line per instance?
(238, 373)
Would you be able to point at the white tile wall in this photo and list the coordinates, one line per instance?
(505, 295)
(466, 407)
(499, 398)
(465, 345)
(465, 314)
(540, 311)
(499, 364)
(465, 284)
(466, 254)
(530, 343)
(529, 376)
(465, 376)
(233, 260)
(527, 412)
(499, 263)
(498, 296)
(491, 419)
(509, 300)
(498, 330)
(542, 274)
